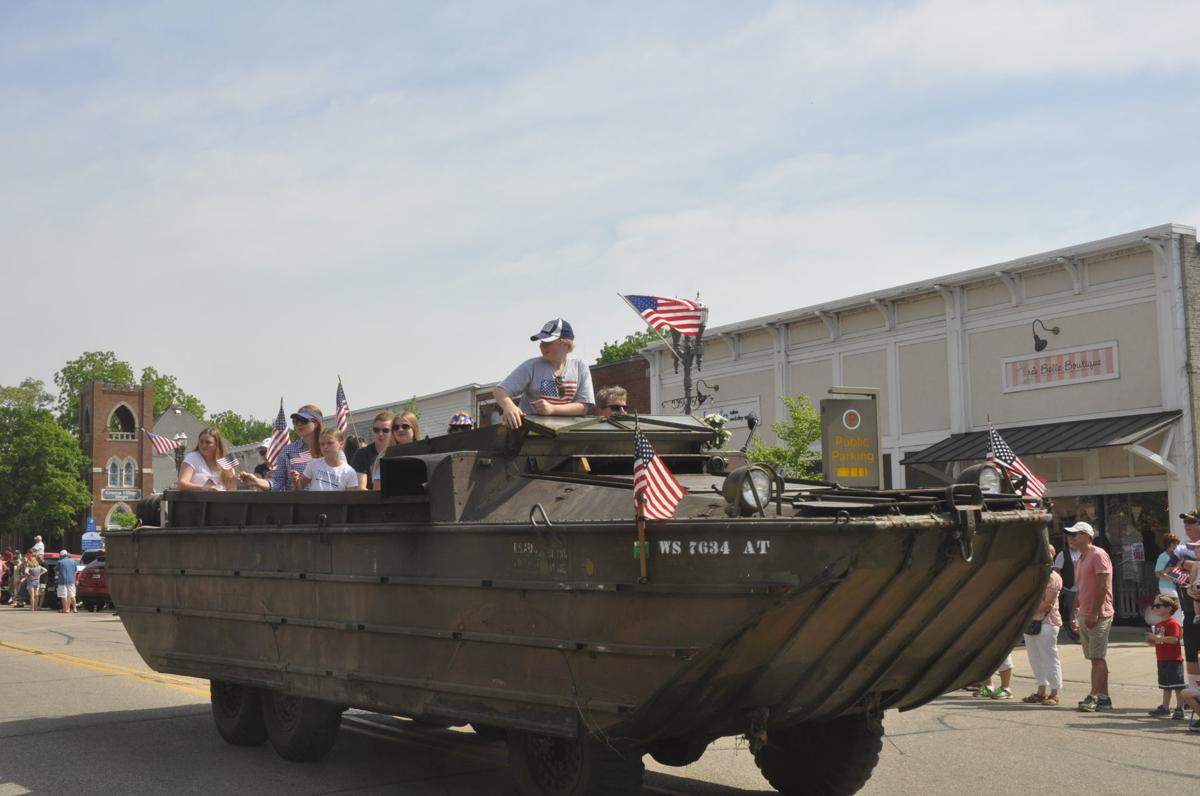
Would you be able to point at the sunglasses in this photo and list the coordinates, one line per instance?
(1157, 604)
(616, 408)
(398, 426)
(300, 421)
(380, 429)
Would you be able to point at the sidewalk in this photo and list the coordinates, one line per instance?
(1131, 664)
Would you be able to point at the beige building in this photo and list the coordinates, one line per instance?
(1102, 410)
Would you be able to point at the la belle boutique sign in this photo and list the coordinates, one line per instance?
(1095, 362)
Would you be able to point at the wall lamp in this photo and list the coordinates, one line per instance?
(1039, 344)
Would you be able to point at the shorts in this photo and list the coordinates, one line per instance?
(1170, 674)
(1094, 640)
(66, 590)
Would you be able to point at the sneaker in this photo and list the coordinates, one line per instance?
(1194, 725)
(1160, 712)
(1177, 714)
(1002, 693)
(985, 692)
(1089, 704)
(1104, 703)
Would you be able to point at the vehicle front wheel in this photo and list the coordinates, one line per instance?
(237, 712)
(546, 766)
(832, 758)
(301, 730)
(678, 751)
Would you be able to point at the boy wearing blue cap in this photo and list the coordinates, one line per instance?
(553, 384)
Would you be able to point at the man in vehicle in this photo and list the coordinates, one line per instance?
(1093, 579)
(612, 401)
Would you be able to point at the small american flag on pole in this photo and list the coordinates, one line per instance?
(230, 462)
(1000, 452)
(161, 444)
(1178, 575)
(279, 437)
(654, 481)
(343, 409)
(682, 315)
(300, 459)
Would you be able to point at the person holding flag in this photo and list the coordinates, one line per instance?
(294, 455)
(553, 384)
(203, 469)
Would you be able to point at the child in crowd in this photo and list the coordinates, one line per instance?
(330, 473)
(1165, 638)
(33, 580)
(554, 383)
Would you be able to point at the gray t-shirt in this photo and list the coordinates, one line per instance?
(534, 379)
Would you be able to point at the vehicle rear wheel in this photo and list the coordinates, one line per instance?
(237, 711)
(677, 751)
(545, 766)
(826, 759)
(301, 730)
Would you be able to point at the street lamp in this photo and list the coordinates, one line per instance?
(181, 438)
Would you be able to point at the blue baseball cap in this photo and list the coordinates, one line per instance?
(553, 330)
(462, 420)
(306, 414)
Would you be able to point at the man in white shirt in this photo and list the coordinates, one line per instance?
(38, 547)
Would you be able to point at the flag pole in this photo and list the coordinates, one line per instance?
(353, 425)
(639, 504)
(659, 334)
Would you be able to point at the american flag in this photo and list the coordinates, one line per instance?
(558, 390)
(161, 444)
(652, 479)
(682, 315)
(229, 462)
(343, 409)
(300, 459)
(1178, 575)
(1000, 452)
(279, 437)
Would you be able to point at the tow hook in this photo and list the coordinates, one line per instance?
(757, 734)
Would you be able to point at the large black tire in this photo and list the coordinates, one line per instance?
(149, 511)
(545, 766)
(237, 712)
(833, 758)
(677, 751)
(301, 730)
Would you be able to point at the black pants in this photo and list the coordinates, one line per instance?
(1191, 630)
(1066, 605)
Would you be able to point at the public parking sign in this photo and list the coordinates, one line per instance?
(850, 442)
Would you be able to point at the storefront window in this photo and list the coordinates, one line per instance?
(1130, 528)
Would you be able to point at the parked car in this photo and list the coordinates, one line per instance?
(91, 584)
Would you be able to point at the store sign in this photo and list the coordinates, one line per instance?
(735, 412)
(850, 442)
(92, 541)
(120, 494)
(1096, 362)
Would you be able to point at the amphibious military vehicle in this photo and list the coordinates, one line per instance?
(502, 579)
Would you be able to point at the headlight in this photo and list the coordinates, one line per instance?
(986, 475)
(748, 489)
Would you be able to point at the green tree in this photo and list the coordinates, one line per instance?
(123, 519)
(167, 392)
(41, 490)
(29, 394)
(629, 347)
(794, 458)
(411, 406)
(89, 366)
(238, 430)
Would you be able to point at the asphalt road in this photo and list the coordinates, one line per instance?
(82, 713)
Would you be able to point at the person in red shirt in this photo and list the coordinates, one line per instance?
(1165, 638)
(1094, 607)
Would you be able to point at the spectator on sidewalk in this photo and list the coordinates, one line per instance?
(1067, 597)
(1005, 671)
(1166, 637)
(1191, 630)
(33, 581)
(64, 580)
(1094, 613)
(39, 548)
(1042, 647)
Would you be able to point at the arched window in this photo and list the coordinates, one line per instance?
(121, 420)
(114, 473)
(130, 473)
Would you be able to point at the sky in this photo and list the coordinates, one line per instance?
(258, 197)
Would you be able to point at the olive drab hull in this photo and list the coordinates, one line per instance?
(482, 593)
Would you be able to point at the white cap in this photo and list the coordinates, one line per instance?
(266, 443)
(1082, 527)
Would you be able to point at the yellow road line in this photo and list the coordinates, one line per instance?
(178, 683)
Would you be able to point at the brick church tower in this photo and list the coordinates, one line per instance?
(111, 419)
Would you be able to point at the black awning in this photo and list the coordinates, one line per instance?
(1072, 435)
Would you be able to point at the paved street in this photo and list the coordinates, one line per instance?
(82, 713)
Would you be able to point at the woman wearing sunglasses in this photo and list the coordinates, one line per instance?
(365, 457)
(306, 421)
(404, 428)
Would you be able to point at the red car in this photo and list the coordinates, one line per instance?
(91, 585)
